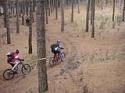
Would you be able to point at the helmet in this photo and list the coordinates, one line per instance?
(58, 41)
(8, 54)
(17, 51)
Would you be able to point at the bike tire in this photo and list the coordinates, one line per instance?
(26, 69)
(62, 56)
(19, 67)
(8, 74)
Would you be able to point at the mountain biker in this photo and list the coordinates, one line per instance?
(56, 48)
(13, 58)
(27, 20)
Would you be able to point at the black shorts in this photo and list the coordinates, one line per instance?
(55, 52)
(12, 64)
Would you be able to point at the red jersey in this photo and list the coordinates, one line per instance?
(14, 55)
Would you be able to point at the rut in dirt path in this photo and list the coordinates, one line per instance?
(70, 62)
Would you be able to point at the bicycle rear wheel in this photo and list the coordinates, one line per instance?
(26, 69)
(8, 74)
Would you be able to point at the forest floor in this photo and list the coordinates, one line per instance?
(91, 65)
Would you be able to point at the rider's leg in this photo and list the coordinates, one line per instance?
(12, 64)
(55, 55)
(16, 63)
(58, 54)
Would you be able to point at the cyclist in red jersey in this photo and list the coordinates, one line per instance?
(13, 58)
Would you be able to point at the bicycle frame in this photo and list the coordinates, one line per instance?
(17, 63)
(57, 57)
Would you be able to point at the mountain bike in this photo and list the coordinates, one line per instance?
(25, 69)
(55, 60)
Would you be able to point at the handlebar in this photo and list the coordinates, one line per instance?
(61, 48)
(21, 59)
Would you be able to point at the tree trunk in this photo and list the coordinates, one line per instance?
(123, 17)
(72, 14)
(34, 5)
(62, 16)
(30, 28)
(17, 16)
(56, 9)
(93, 19)
(87, 16)
(121, 2)
(91, 4)
(113, 15)
(5, 15)
(19, 8)
(46, 9)
(27, 7)
(13, 8)
(23, 13)
(41, 47)
(7, 22)
(51, 5)
(23, 20)
(78, 6)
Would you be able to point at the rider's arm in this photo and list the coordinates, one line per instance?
(61, 47)
(17, 58)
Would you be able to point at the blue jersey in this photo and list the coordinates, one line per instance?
(55, 46)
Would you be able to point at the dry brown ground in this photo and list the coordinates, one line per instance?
(91, 65)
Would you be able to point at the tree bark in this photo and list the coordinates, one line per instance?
(93, 19)
(62, 16)
(72, 13)
(7, 22)
(23, 12)
(5, 15)
(41, 46)
(46, 9)
(113, 15)
(49, 7)
(78, 6)
(27, 7)
(34, 5)
(56, 9)
(87, 16)
(17, 16)
(30, 28)
(123, 17)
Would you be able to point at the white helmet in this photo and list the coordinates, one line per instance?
(58, 41)
(8, 54)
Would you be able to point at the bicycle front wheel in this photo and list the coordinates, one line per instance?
(62, 56)
(8, 74)
(26, 69)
